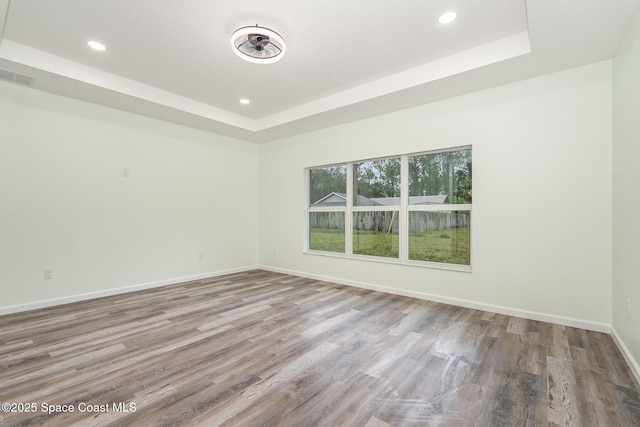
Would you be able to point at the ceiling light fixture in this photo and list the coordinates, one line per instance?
(258, 45)
(447, 18)
(244, 101)
(96, 45)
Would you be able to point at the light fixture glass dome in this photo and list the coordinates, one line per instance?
(258, 44)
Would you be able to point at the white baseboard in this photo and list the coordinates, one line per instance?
(543, 317)
(108, 292)
(531, 315)
(631, 361)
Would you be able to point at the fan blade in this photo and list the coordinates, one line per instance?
(263, 49)
(258, 39)
(272, 49)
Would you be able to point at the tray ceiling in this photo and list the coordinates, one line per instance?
(344, 61)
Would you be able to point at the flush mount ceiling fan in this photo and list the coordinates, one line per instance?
(258, 44)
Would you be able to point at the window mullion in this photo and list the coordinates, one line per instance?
(348, 215)
(435, 208)
(403, 225)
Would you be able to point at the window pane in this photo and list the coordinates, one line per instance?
(376, 233)
(326, 231)
(328, 186)
(440, 178)
(377, 183)
(440, 236)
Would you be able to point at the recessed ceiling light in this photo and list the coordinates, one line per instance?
(447, 18)
(96, 45)
(258, 45)
(244, 101)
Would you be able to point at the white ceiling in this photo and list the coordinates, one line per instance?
(345, 60)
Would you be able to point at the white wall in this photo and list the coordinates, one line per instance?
(65, 205)
(542, 219)
(542, 236)
(626, 190)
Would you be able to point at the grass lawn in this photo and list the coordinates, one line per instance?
(323, 239)
(375, 243)
(452, 246)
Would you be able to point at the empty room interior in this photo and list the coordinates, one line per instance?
(336, 213)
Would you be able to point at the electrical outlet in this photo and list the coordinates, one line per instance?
(273, 251)
(48, 273)
(125, 172)
(200, 255)
(629, 307)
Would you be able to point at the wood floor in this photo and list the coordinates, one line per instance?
(261, 349)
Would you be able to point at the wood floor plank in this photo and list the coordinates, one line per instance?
(561, 390)
(260, 348)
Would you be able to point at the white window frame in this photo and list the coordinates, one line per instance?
(403, 215)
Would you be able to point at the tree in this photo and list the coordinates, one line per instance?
(327, 180)
(447, 173)
(377, 178)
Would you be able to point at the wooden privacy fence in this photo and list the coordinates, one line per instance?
(376, 221)
(419, 222)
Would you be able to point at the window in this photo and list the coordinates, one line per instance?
(327, 207)
(438, 231)
(376, 207)
(411, 209)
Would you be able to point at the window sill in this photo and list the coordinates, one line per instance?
(381, 260)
